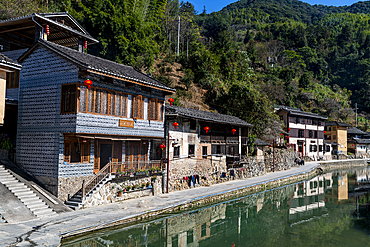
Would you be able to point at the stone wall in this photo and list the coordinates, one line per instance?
(284, 159)
(207, 169)
(110, 192)
(69, 186)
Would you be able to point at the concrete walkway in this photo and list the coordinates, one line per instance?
(48, 232)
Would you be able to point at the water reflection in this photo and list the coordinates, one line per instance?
(318, 212)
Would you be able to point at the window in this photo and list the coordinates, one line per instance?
(320, 148)
(314, 122)
(300, 133)
(83, 96)
(193, 124)
(176, 151)
(204, 152)
(334, 137)
(77, 150)
(12, 79)
(98, 101)
(161, 110)
(137, 106)
(329, 128)
(153, 109)
(68, 104)
(315, 134)
(310, 134)
(191, 149)
(292, 119)
(313, 148)
(124, 105)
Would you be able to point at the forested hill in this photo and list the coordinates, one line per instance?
(241, 60)
(280, 10)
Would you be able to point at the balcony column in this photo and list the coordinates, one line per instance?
(240, 143)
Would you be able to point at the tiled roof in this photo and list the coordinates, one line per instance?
(299, 112)
(260, 142)
(99, 64)
(335, 123)
(355, 131)
(4, 60)
(206, 116)
(362, 141)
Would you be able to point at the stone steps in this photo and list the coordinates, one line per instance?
(76, 201)
(25, 194)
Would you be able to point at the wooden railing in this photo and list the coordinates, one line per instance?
(116, 167)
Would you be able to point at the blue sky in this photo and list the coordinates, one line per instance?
(216, 5)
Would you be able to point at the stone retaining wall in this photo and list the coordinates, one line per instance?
(110, 192)
(284, 159)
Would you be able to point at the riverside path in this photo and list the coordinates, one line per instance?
(50, 231)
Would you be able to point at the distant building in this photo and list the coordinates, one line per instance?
(305, 131)
(336, 133)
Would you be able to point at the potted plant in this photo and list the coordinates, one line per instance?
(154, 178)
(120, 192)
(129, 187)
(135, 186)
(143, 185)
(147, 184)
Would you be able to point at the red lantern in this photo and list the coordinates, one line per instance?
(281, 134)
(233, 130)
(162, 146)
(85, 45)
(171, 100)
(88, 83)
(289, 129)
(324, 131)
(206, 129)
(47, 29)
(287, 137)
(175, 124)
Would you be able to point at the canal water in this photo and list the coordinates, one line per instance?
(329, 210)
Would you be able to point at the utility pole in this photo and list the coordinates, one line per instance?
(178, 37)
(356, 113)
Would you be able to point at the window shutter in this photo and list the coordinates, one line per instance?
(90, 101)
(105, 102)
(138, 107)
(85, 152)
(83, 95)
(97, 101)
(112, 101)
(153, 109)
(67, 152)
(124, 105)
(118, 105)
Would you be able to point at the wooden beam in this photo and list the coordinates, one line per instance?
(130, 81)
(16, 29)
(28, 45)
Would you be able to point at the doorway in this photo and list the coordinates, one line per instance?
(105, 154)
(106, 151)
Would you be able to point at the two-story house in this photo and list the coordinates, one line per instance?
(68, 129)
(203, 143)
(336, 132)
(305, 129)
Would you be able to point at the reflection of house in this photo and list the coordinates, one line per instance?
(336, 132)
(309, 197)
(203, 141)
(306, 131)
(343, 187)
(67, 132)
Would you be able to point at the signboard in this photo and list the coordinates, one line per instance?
(126, 123)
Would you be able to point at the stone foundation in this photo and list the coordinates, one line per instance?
(284, 160)
(67, 187)
(110, 192)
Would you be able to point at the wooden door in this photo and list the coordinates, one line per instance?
(117, 151)
(96, 156)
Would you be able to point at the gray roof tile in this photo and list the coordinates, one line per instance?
(4, 60)
(100, 65)
(206, 116)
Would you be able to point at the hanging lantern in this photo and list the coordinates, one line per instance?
(85, 44)
(281, 134)
(324, 131)
(162, 146)
(175, 124)
(233, 130)
(171, 100)
(289, 129)
(47, 29)
(287, 137)
(206, 129)
(88, 83)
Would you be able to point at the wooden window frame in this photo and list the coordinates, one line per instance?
(156, 109)
(160, 108)
(12, 80)
(84, 158)
(76, 99)
(140, 106)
